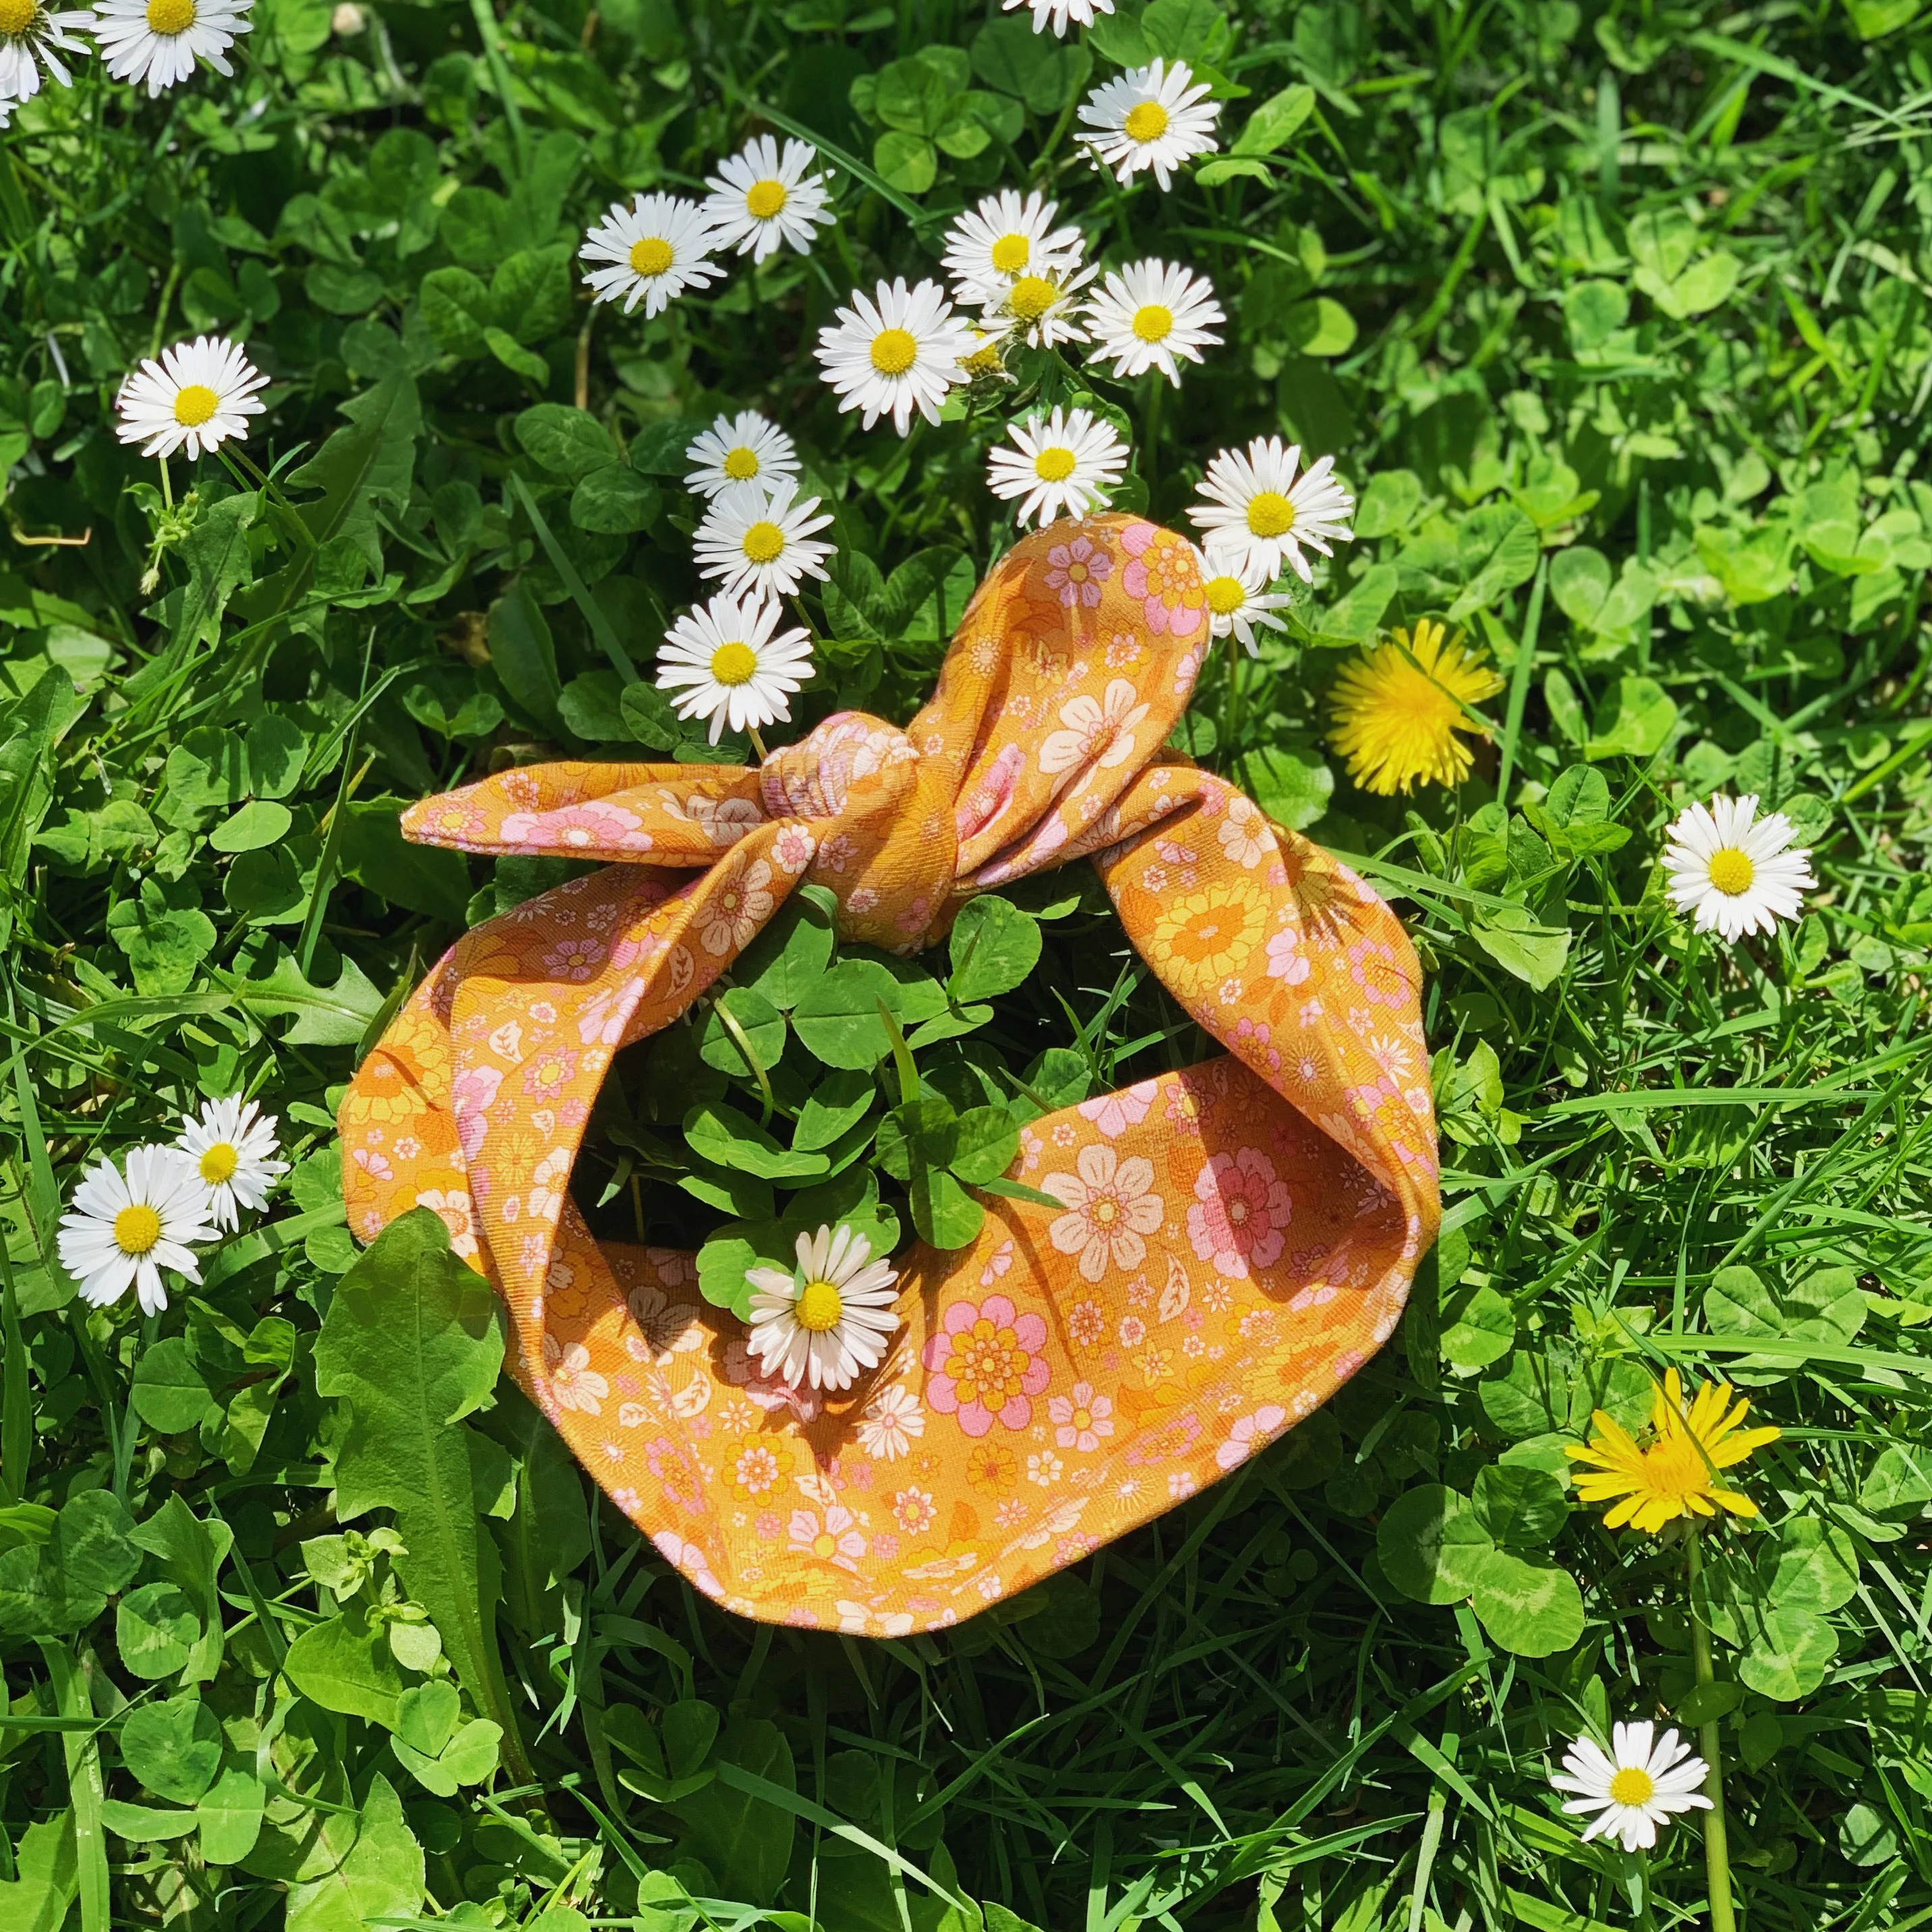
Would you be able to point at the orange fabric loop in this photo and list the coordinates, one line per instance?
(1234, 1238)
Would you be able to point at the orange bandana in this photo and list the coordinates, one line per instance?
(1234, 1240)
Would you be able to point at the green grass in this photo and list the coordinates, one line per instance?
(1617, 318)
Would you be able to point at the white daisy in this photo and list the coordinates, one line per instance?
(1257, 511)
(198, 395)
(761, 198)
(1151, 117)
(1063, 466)
(896, 351)
(1238, 598)
(1056, 13)
(1151, 312)
(828, 1318)
(1041, 309)
(757, 538)
(1009, 234)
(233, 1150)
(123, 1230)
(159, 41)
(986, 361)
(744, 449)
(1734, 872)
(29, 36)
(652, 251)
(1635, 1787)
(720, 660)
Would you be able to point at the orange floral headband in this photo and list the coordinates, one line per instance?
(1234, 1240)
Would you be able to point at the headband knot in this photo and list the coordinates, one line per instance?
(1232, 1240)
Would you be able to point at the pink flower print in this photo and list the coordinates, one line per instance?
(1250, 1433)
(1114, 1114)
(1082, 1418)
(836, 853)
(998, 1264)
(574, 959)
(793, 849)
(837, 1539)
(1086, 1323)
(741, 905)
(1100, 731)
(1162, 574)
(687, 1558)
(1285, 959)
(1240, 1212)
(1111, 1207)
(987, 1364)
(1375, 968)
(470, 1098)
(988, 799)
(589, 827)
(1077, 570)
(452, 1208)
(574, 1382)
(547, 1075)
(602, 1021)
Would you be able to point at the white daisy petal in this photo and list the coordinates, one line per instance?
(1150, 313)
(1639, 1783)
(1006, 237)
(159, 41)
(232, 1148)
(1157, 117)
(1064, 466)
(758, 539)
(650, 252)
(196, 397)
(827, 1322)
(31, 37)
(1733, 872)
(122, 1229)
(1058, 14)
(1238, 597)
(745, 449)
(761, 198)
(722, 661)
(895, 352)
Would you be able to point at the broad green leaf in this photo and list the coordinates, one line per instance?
(174, 1748)
(614, 501)
(1274, 123)
(344, 1664)
(733, 1141)
(986, 1143)
(1533, 1610)
(46, 1877)
(568, 442)
(943, 1211)
(1534, 953)
(411, 1345)
(993, 947)
(1635, 721)
(1481, 1328)
(230, 1816)
(1814, 1566)
(189, 1553)
(53, 1587)
(1497, 548)
(1789, 1650)
(1899, 1481)
(156, 1629)
(1521, 1508)
(731, 1831)
(792, 951)
(755, 1023)
(837, 1017)
(359, 1869)
(262, 822)
(839, 1102)
(168, 1393)
(1429, 1541)
(143, 1824)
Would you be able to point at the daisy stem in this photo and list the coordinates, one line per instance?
(131, 1426)
(757, 743)
(1710, 1746)
(167, 488)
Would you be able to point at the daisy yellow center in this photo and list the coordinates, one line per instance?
(219, 1163)
(1147, 122)
(982, 361)
(1731, 872)
(1031, 296)
(1153, 323)
(171, 17)
(765, 199)
(1054, 465)
(1226, 595)
(1632, 1787)
(741, 464)
(136, 1229)
(733, 664)
(649, 257)
(763, 542)
(1011, 253)
(196, 402)
(1270, 514)
(17, 16)
(894, 351)
(820, 1305)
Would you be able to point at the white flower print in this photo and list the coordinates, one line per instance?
(1091, 724)
(1244, 834)
(574, 1383)
(1111, 1207)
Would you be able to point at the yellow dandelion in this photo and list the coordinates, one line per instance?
(1676, 1476)
(1395, 720)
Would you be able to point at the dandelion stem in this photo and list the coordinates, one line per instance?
(1717, 1851)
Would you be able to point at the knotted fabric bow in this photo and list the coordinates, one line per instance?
(1235, 1240)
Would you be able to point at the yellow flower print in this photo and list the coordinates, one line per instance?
(1200, 940)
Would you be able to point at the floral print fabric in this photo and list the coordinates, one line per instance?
(1233, 1241)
